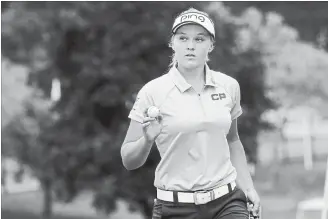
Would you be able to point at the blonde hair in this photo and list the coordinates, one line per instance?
(174, 61)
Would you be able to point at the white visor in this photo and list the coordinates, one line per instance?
(196, 18)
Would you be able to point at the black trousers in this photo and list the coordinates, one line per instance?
(230, 206)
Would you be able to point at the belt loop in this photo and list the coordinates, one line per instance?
(229, 187)
(175, 197)
(212, 195)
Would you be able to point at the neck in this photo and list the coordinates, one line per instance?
(193, 75)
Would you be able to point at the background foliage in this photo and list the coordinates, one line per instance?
(103, 52)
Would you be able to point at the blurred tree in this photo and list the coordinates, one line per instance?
(309, 18)
(102, 53)
(14, 90)
(20, 139)
(295, 70)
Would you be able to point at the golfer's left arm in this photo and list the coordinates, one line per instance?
(238, 159)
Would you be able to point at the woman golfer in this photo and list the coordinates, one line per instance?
(203, 172)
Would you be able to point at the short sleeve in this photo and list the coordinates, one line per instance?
(141, 104)
(236, 110)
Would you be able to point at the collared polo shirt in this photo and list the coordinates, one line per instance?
(193, 145)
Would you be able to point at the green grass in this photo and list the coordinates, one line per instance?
(291, 179)
(24, 215)
(283, 185)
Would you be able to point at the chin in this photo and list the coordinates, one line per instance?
(189, 65)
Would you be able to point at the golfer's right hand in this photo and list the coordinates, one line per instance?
(151, 128)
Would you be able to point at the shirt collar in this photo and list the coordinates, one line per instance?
(209, 81)
(183, 85)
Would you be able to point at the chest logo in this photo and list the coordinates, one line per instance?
(219, 96)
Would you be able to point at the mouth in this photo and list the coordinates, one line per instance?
(190, 55)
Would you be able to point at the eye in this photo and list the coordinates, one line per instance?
(183, 38)
(199, 39)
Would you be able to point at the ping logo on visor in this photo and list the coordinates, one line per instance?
(194, 17)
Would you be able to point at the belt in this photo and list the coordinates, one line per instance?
(198, 197)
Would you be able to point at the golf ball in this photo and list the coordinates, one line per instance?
(153, 112)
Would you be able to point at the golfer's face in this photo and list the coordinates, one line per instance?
(191, 45)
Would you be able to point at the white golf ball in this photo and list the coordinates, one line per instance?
(153, 112)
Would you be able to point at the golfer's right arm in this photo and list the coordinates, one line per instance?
(137, 145)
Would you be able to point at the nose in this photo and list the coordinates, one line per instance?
(191, 45)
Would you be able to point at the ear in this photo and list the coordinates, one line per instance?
(211, 48)
(171, 44)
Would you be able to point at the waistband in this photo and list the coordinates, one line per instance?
(198, 197)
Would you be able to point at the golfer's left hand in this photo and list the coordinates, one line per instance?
(254, 198)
